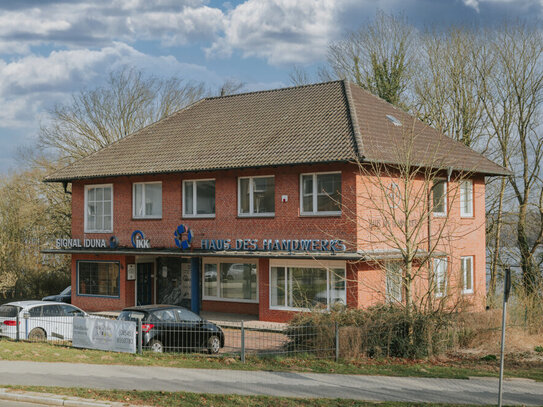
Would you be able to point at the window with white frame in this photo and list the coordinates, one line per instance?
(320, 193)
(147, 200)
(99, 208)
(466, 265)
(439, 197)
(256, 196)
(393, 292)
(466, 198)
(302, 286)
(199, 198)
(230, 280)
(440, 276)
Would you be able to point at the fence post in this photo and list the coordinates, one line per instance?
(17, 322)
(242, 343)
(337, 342)
(140, 337)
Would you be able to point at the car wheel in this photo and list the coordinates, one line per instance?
(37, 334)
(213, 344)
(156, 346)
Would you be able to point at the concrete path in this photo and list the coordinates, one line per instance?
(305, 385)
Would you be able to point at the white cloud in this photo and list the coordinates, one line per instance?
(32, 84)
(281, 31)
(100, 22)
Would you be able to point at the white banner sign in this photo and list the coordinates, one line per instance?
(104, 334)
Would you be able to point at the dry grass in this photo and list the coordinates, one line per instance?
(481, 334)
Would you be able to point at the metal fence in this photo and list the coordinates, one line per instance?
(235, 340)
(327, 340)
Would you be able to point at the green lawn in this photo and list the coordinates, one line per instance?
(167, 399)
(460, 368)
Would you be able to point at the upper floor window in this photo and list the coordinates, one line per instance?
(99, 208)
(467, 274)
(199, 198)
(321, 193)
(147, 200)
(466, 198)
(256, 196)
(439, 197)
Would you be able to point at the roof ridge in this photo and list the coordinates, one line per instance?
(353, 118)
(128, 136)
(274, 90)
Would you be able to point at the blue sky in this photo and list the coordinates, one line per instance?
(51, 49)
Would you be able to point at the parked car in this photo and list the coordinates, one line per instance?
(170, 327)
(38, 320)
(64, 296)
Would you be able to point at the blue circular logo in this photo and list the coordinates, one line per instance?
(183, 237)
(136, 235)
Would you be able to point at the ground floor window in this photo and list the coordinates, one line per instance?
(230, 280)
(393, 287)
(304, 286)
(98, 278)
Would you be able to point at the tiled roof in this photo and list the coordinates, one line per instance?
(328, 122)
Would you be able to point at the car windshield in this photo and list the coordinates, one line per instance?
(8, 311)
(66, 291)
(131, 316)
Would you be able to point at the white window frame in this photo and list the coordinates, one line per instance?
(463, 197)
(144, 216)
(87, 187)
(463, 271)
(195, 199)
(388, 271)
(315, 194)
(330, 264)
(252, 212)
(440, 260)
(445, 198)
(217, 262)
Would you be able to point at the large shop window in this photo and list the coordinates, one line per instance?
(98, 278)
(99, 208)
(256, 196)
(199, 198)
(321, 194)
(147, 200)
(303, 287)
(230, 281)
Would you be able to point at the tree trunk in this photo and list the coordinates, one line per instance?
(497, 243)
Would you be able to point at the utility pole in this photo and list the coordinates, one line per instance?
(506, 292)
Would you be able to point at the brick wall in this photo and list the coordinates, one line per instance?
(365, 282)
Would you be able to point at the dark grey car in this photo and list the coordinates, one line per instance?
(174, 328)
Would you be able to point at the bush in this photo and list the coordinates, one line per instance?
(380, 331)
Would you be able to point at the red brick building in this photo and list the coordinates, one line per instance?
(251, 204)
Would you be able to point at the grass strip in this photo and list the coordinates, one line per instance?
(452, 368)
(185, 399)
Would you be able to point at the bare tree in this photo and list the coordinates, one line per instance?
(378, 57)
(231, 87)
(127, 102)
(448, 89)
(518, 84)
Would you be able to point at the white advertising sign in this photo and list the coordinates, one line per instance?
(104, 334)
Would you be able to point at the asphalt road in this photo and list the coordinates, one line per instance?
(305, 385)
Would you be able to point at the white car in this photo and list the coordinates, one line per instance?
(39, 320)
